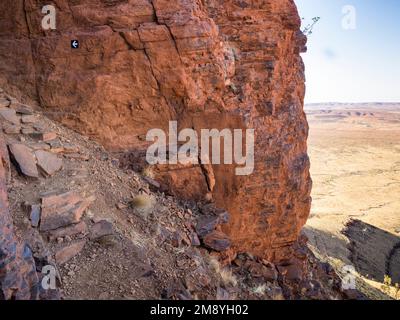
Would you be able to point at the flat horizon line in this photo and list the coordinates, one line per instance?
(367, 102)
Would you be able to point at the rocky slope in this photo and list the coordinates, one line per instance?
(112, 234)
(207, 64)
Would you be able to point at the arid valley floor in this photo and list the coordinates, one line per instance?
(355, 165)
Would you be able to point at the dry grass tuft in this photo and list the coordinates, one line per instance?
(260, 290)
(143, 204)
(148, 172)
(142, 201)
(228, 278)
(226, 275)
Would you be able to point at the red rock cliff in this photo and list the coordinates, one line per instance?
(206, 63)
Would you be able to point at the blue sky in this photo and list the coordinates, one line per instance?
(355, 65)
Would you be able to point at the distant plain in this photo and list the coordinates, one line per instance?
(355, 165)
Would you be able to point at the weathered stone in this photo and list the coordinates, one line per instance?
(28, 131)
(258, 270)
(224, 217)
(217, 241)
(77, 156)
(101, 229)
(11, 99)
(18, 277)
(292, 272)
(176, 239)
(211, 210)
(73, 230)
(28, 119)
(21, 108)
(194, 239)
(24, 159)
(54, 198)
(67, 253)
(70, 148)
(153, 183)
(176, 291)
(11, 128)
(48, 162)
(39, 146)
(56, 146)
(222, 64)
(352, 294)
(222, 294)
(206, 225)
(34, 216)
(276, 293)
(62, 210)
(44, 136)
(10, 116)
(4, 102)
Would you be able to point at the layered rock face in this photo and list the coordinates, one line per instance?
(207, 64)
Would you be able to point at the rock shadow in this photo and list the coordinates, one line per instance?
(373, 252)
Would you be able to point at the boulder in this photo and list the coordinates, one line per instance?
(70, 148)
(222, 294)
(27, 130)
(217, 241)
(70, 231)
(211, 210)
(206, 225)
(49, 163)
(259, 270)
(10, 115)
(194, 239)
(61, 210)
(101, 229)
(11, 128)
(292, 271)
(67, 253)
(152, 183)
(34, 215)
(29, 119)
(4, 102)
(21, 108)
(56, 146)
(39, 146)
(24, 159)
(44, 136)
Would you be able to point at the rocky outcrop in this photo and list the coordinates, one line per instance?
(18, 277)
(207, 64)
(111, 244)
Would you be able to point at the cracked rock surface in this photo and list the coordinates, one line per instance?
(207, 64)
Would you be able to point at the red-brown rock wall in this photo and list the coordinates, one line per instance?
(208, 64)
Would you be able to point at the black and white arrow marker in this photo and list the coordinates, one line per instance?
(74, 44)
